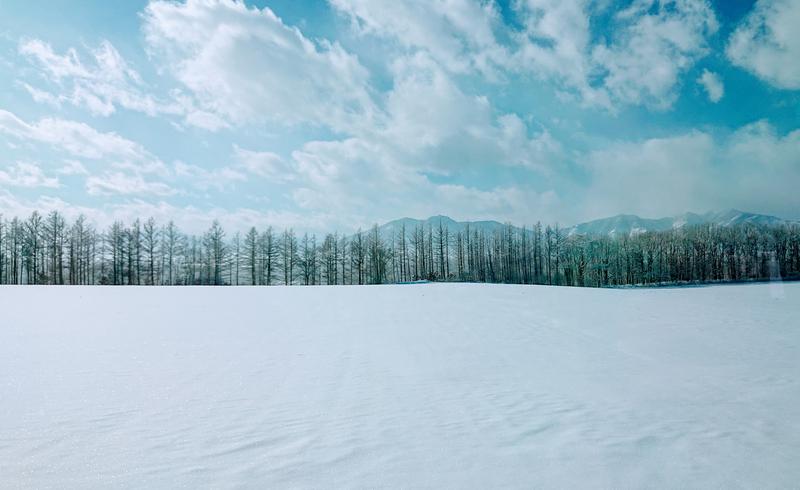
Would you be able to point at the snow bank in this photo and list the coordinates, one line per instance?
(425, 386)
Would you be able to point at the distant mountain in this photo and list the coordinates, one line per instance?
(631, 224)
(452, 225)
(626, 224)
(621, 224)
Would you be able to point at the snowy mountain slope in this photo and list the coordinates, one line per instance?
(734, 217)
(621, 224)
(418, 386)
(628, 223)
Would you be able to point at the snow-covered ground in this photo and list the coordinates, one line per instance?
(417, 386)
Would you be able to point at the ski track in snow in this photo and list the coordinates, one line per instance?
(414, 386)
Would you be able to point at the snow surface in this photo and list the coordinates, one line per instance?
(417, 386)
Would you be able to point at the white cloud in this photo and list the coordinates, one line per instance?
(73, 167)
(767, 43)
(130, 161)
(360, 181)
(356, 182)
(712, 84)
(432, 124)
(458, 34)
(75, 138)
(264, 164)
(25, 174)
(111, 183)
(12, 206)
(42, 96)
(346, 181)
(653, 178)
(218, 178)
(106, 84)
(205, 120)
(555, 44)
(427, 125)
(244, 65)
(59, 66)
(754, 169)
(651, 45)
(518, 204)
(762, 170)
(100, 86)
(190, 219)
(651, 50)
(346, 177)
(196, 219)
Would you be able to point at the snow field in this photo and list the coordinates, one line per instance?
(412, 386)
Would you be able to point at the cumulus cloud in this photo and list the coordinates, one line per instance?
(712, 84)
(458, 34)
(244, 65)
(767, 43)
(426, 125)
(429, 126)
(649, 45)
(422, 138)
(555, 44)
(653, 44)
(432, 124)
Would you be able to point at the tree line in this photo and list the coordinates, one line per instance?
(46, 249)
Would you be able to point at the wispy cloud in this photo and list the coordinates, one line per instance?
(76, 138)
(111, 183)
(101, 86)
(26, 174)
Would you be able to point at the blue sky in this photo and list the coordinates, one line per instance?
(323, 115)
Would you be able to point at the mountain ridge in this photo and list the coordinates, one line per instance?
(613, 225)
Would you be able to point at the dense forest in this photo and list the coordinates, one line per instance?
(46, 249)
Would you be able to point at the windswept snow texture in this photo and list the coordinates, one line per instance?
(418, 386)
